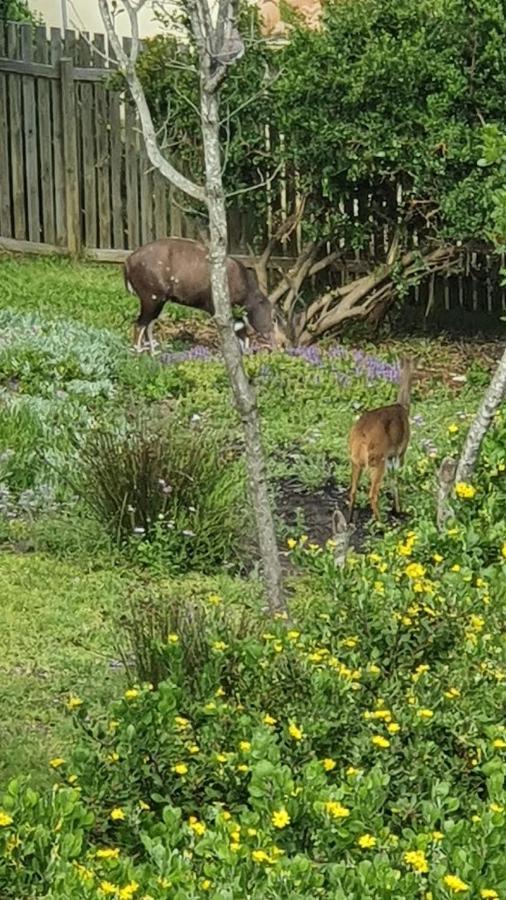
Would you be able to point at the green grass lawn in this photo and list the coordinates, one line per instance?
(57, 618)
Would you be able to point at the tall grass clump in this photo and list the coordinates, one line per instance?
(163, 489)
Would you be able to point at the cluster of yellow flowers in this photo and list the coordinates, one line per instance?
(464, 491)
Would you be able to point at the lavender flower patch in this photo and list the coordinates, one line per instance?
(364, 364)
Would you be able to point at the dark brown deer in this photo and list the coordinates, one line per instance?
(177, 270)
(379, 440)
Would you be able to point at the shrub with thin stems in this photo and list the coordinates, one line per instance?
(165, 490)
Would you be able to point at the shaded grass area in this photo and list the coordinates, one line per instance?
(57, 636)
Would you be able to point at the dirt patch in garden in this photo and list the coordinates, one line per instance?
(310, 511)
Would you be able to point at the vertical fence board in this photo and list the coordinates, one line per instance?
(102, 145)
(30, 138)
(16, 138)
(146, 192)
(88, 163)
(131, 175)
(58, 162)
(160, 191)
(72, 211)
(116, 166)
(46, 174)
(5, 188)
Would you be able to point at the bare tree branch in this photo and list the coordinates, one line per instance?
(126, 63)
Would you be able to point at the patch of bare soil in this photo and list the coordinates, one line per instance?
(310, 511)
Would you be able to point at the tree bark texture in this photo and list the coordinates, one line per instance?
(492, 399)
(243, 391)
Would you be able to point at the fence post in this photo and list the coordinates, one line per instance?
(72, 205)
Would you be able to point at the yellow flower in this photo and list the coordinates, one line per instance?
(373, 669)
(260, 856)
(379, 741)
(336, 810)
(291, 543)
(107, 853)
(221, 757)
(437, 835)
(181, 723)
(455, 884)
(475, 819)
(280, 818)
(127, 892)
(194, 749)
(417, 860)
(112, 757)
(196, 826)
(107, 888)
(455, 568)
(425, 714)
(143, 805)
(56, 762)
(269, 720)
(328, 764)
(245, 746)
(414, 570)
(496, 808)
(464, 492)
(503, 551)
(293, 635)
(437, 558)
(393, 728)
(73, 702)
(117, 814)
(219, 692)
(5, 819)
(131, 694)
(206, 884)
(214, 599)
(453, 428)
(72, 779)
(180, 768)
(173, 638)
(352, 772)
(219, 646)
(419, 671)
(295, 732)
(242, 768)
(350, 642)
(452, 693)
(488, 894)
(499, 744)
(252, 832)
(366, 841)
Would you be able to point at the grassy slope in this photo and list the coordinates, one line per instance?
(56, 618)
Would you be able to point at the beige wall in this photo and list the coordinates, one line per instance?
(84, 15)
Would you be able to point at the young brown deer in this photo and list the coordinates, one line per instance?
(378, 441)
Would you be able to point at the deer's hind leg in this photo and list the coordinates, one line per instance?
(377, 475)
(356, 471)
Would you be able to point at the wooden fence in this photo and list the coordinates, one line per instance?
(75, 178)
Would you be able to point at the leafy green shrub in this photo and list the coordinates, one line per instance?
(356, 751)
(164, 488)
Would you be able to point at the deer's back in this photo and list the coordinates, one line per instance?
(178, 269)
(380, 434)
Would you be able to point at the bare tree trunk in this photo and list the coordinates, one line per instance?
(488, 408)
(243, 391)
(446, 479)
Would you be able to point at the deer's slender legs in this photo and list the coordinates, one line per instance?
(356, 471)
(376, 479)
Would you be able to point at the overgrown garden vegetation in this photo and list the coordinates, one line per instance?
(162, 737)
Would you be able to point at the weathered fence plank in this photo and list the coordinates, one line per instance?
(16, 139)
(88, 158)
(45, 173)
(30, 139)
(102, 127)
(58, 161)
(70, 155)
(5, 188)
